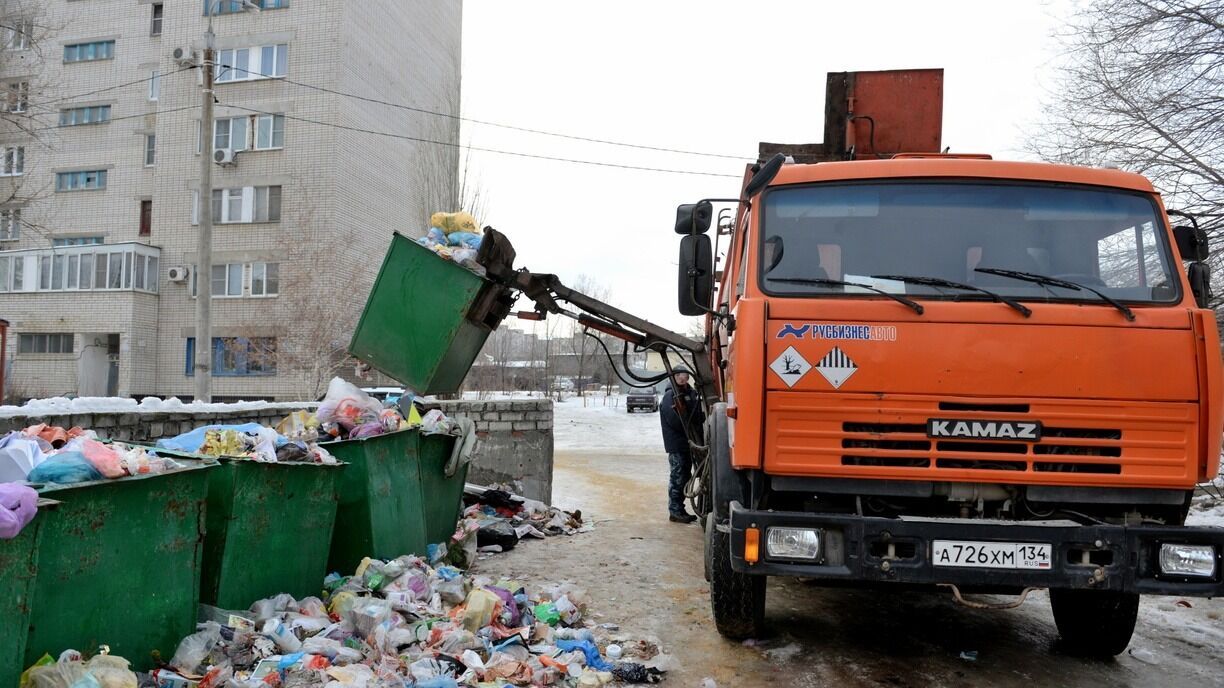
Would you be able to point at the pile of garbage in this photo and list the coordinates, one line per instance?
(51, 454)
(404, 623)
(499, 519)
(455, 237)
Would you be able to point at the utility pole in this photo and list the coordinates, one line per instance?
(203, 328)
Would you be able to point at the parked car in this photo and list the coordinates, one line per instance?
(646, 399)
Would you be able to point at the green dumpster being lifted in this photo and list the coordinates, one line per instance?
(395, 497)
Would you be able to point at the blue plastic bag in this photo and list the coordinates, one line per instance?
(594, 660)
(65, 468)
(467, 239)
(192, 441)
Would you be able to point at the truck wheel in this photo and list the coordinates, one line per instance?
(738, 600)
(1095, 624)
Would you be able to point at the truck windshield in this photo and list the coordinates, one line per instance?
(1110, 240)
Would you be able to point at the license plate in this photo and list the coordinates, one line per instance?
(991, 555)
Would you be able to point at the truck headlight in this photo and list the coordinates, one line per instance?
(1188, 560)
(793, 543)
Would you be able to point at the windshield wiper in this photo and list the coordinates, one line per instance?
(941, 282)
(1056, 282)
(840, 283)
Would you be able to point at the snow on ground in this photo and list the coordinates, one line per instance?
(56, 406)
(599, 422)
(1206, 512)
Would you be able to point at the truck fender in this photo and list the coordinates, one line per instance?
(727, 484)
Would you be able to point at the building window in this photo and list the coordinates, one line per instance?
(80, 181)
(59, 343)
(14, 161)
(97, 114)
(18, 34)
(227, 279)
(77, 241)
(16, 97)
(10, 224)
(146, 218)
(88, 52)
(229, 133)
(237, 356)
(243, 205)
(155, 27)
(150, 149)
(154, 85)
(246, 64)
(235, 6)
(265, 279)
(269, 131)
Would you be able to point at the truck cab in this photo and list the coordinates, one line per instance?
(960, 373)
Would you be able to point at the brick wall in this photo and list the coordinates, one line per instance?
(516, 443)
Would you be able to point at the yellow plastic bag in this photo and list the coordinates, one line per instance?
(479, 609)
(454, 222)
(45, 660)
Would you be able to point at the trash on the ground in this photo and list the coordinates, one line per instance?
(1143, 655)
(103, 670)
(708, 682)
(1184, 603)
(969, 655)
(403, 622)
(526, 517)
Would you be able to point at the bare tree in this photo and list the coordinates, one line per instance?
(1142, 87)
(584, 350)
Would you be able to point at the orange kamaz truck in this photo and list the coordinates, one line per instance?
(946, 371)
(935, 370)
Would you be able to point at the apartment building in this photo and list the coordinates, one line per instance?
(100, 126)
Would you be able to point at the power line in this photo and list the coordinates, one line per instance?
(120, 119)
(461, 118)
(598, 163)
(123, 85)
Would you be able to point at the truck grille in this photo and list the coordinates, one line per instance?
(886, 436)
(907, 438)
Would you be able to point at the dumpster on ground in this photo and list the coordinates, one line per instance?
(419, 334)
(18, 570)
(119, 565)
(268, 529)
(394, 496)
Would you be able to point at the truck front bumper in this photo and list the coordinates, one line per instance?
(860, 550)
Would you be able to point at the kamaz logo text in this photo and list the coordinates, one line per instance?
(984, 429)
(875, 333)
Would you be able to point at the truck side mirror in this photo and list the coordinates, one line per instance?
(1191, 242)
(694, 218)
(696, 283)
(1200, 283)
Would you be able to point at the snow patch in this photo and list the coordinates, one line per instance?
(57, 406)
(602, 423)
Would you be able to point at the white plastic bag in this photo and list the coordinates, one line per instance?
(194, 649)
(347, 405)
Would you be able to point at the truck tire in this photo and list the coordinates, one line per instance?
(1095, 623)
(738, 600)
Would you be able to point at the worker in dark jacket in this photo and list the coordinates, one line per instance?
(680, 405)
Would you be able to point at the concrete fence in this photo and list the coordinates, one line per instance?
(516, 439)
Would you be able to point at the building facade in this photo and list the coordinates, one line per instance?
(99, 195)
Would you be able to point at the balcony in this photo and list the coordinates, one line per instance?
(127, 266)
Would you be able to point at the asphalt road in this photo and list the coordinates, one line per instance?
(645, 574)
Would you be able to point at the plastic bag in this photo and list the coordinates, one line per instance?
(18, 456)
(65, 468)
(454, 222)
(194, 649)
(436, 236)
(105, 459)
(299, 425)
(368, 613)
(18, 505)
(192, 441)
(107, 671)
(479, 609)
(347, 405)
(436, 423)
(469, 240)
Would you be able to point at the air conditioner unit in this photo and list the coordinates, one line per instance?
(177, 273)
(184, 55)
(225, 156)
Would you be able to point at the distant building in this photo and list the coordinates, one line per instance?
(97, 218)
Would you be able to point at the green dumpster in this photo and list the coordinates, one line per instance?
(119, 565)
(269, 530)
(394, 499)
(421, 335)
(18, 570)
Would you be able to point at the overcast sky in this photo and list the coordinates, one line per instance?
(710, 76)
